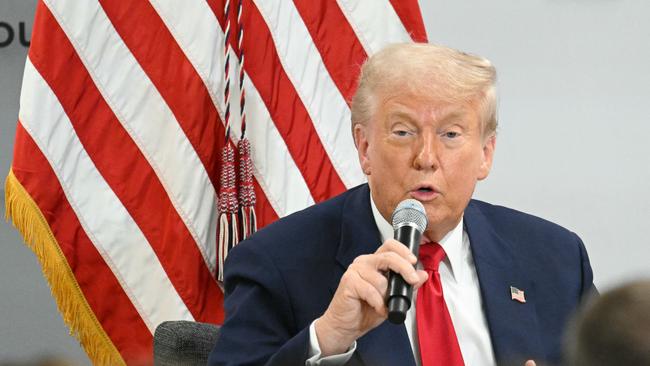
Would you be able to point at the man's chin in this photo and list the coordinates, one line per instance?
(440, 222)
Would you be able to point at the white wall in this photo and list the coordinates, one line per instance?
(574, 116)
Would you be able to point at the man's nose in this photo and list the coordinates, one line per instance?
(426, 156)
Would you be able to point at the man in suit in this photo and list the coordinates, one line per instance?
(310, 289)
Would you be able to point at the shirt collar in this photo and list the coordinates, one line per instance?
(455, 247)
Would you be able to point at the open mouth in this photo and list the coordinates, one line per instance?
(424, 193)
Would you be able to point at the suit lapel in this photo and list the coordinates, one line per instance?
(513, 325)
(387, 344)
(359, 233)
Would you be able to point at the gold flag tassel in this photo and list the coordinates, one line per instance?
(26, 216)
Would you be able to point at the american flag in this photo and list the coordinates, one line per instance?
(115, 177)
(517, 295)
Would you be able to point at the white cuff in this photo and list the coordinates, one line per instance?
(315, 358)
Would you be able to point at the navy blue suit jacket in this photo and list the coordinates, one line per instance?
(281, 279)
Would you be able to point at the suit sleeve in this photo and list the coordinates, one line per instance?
(259, 328)
(588, 287)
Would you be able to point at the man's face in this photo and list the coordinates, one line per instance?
(416, 147)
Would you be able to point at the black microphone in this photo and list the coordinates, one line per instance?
(409, 222)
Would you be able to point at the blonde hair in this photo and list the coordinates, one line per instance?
(439, 72)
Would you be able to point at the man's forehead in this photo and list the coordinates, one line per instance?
(413, 107)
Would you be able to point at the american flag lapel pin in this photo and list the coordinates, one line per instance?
(517, 295)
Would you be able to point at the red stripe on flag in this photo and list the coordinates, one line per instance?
(265, 213)
(336, 41)
(409, 12)
(284, 105)
(126, 170)
(112, 308)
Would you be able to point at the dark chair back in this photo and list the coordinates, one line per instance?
(183, 342)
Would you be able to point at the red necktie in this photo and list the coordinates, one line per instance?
(437, 337)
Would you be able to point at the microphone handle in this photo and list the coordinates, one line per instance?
(400, 293)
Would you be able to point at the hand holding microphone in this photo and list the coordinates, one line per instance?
(359, 303)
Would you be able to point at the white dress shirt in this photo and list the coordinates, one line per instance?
(462, 295)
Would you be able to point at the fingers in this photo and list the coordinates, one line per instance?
(375, 278)
(392, 245)
(371, 293)
(423, 277)
(360, 272)
(392, 256)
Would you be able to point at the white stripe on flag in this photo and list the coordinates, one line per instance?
(304, 66)
(145, 116)
(196, 30)
(375, 22)
(103, 217)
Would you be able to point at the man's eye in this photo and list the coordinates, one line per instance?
(401, 133)
(451, 134)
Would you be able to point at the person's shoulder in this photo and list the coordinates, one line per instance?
(508, 222)
(322, 214)
(538, 242)
(307, 228)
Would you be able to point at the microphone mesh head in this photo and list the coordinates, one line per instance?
(410, 211)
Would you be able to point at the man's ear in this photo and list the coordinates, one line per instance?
(360, 133)
(488, 154)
